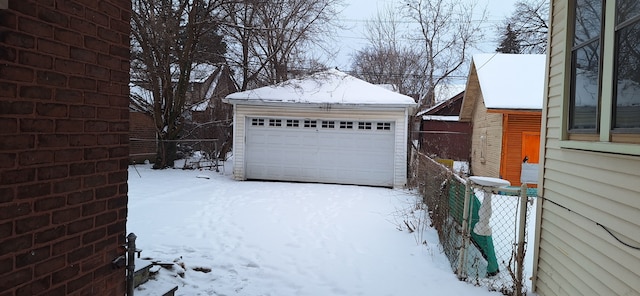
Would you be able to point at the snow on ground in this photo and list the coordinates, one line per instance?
(274, 238)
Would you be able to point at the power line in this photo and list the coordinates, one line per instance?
(609, 231)
(351, 20)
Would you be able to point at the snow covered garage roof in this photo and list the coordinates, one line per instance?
(327, 87)
(511, 81)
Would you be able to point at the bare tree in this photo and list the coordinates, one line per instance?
(529, 21)
(388, 60)
(168, 37)
(448, 30)
(265, 36)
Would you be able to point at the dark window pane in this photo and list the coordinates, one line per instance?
(584, 94)
(627, 92)
(626, 10)
(588, 21)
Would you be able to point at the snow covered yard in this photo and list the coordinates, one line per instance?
(274, 238)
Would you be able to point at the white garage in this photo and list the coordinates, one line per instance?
(329, 127)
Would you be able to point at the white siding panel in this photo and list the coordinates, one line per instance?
(238, 145)
(579, 247)
(611, 176)
(555, 275)
(400, 156)
(574, 256)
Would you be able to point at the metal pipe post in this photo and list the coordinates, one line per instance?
(465, 230)
(131, 262)
(521, 239)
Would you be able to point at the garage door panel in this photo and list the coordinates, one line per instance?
(329, 155)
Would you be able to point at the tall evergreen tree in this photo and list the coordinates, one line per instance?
(530, 22)
(510, 42)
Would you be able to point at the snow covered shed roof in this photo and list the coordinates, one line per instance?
(201, 72)
(326, 87)
(506, 81)
(450, 106)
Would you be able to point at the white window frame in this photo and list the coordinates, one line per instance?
(310, 123)
(257, 122)
(383, 126)
(328, 124)
(602, 141)
(293, 122)
(275, 122)
(365, 125)
(345, 124)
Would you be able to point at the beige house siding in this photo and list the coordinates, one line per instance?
(486, 142)
(573, 255)
(399, 116)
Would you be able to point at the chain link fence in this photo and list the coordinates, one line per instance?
(483, 250)
(195, 153)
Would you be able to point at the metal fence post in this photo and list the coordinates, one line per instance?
(465, 230)
(521, 239)
(131, 265)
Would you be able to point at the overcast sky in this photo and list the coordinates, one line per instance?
(358, 11)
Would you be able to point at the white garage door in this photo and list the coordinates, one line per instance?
(318, 150)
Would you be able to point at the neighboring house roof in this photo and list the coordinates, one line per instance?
(441, 117)
(326, 87)
(449, 107)
(200, 72)
(505, 81)
(202, 106)
(220, 83)
(511, 81)
(444, 92)
(140, 92)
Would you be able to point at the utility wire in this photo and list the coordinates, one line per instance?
(595, 222)
(521, 27)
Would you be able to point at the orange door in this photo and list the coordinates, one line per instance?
(531, 146)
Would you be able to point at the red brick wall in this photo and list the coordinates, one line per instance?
(64, 71)
(141, 131)
(446, 139)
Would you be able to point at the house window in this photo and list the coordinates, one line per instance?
(626, 108)
(328, 124)
(310, 123)
(364, 125)
(383, 126)
(346, 124)
(275, 122)
(585, 66)
(257, 122)
(604, 101)
(293, 123)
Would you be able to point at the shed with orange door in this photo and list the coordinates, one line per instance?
(503, 103)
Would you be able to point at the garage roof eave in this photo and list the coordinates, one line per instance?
(316, 105)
